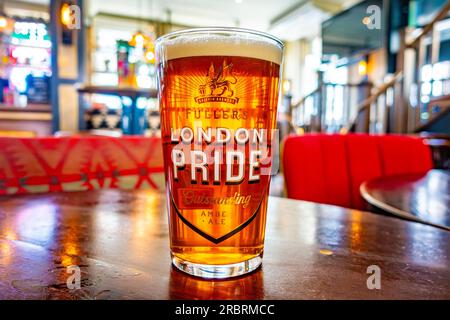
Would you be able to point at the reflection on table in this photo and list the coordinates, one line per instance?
(119, 239)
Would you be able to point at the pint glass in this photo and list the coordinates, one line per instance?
(218, 95)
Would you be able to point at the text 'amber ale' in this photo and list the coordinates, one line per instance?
(218, 97)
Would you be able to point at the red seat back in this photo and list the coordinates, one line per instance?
(29, 165)
(330, 168)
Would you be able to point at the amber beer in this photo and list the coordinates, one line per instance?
(218, 91)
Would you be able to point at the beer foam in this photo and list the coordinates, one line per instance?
(201, 43)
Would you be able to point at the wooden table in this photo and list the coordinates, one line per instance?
(421, 197)
(132, 114)
(120, 241)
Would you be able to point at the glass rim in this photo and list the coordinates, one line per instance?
(218, 30)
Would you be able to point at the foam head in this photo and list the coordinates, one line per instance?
(219, 42)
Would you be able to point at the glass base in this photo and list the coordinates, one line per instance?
(224, 271)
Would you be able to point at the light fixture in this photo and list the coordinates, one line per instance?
(3, 22)
(362, 67)
(139, 40)
(150, 56)
(238, 1)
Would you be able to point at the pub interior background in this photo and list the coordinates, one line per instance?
(342, 72)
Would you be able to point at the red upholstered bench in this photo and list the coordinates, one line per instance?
(29, 165)
(330, 168)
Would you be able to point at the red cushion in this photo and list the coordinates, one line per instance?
(330, 168)
(364, 163)
(308, 156)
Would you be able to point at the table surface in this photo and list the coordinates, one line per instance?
(421, 197)
(119, 240)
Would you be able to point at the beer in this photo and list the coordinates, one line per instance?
(218, 93)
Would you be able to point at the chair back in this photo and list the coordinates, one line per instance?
(330, 168)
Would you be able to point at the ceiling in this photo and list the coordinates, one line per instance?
(255, 14)
(287, 19)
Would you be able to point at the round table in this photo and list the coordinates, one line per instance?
(420, 197)
(120, 242)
